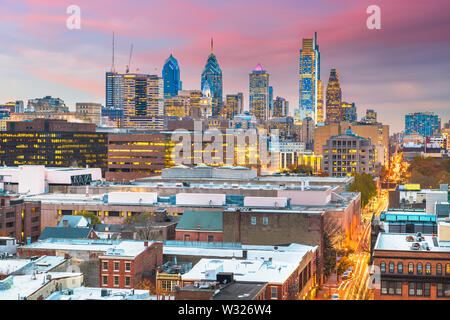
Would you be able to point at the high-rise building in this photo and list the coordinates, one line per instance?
(280, 108)
(47, 104)
(143, 101)
(348, 153)
(371, 116)
(212, 74)
(334, 98)
(177, 106)
(320, 113)
(348, 112)
(114, 90)
(424, 123)
(309, 74)
(270, 101)
(171, 76)
(234, 104)
(259, 93)
(90, 112)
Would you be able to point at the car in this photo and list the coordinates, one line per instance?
(335, 296)
(346, 275)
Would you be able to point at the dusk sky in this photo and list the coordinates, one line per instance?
(404, 67)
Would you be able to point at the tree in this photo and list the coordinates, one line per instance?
(364, 184)
(302, 169)
(144, 224)
(429, 172)
(92, 216)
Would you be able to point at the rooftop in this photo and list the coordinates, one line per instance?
(405, 242)
(84, 293)
(201, 221)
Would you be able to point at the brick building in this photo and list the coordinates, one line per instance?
(412, 267)
(200, 226)
(19, 219)
(125, 265)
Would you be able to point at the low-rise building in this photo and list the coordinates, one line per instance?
(200, 226)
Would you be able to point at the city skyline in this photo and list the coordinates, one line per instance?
(395, 70)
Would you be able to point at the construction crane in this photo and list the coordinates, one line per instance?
(129, 60)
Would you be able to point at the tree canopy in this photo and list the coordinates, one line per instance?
(365, 184)
(429, 172)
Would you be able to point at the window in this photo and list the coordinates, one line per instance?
(105, 265)
(419, 268)
(439, 290)
(187, 237)
(253, 220)
(210, 238)
(274, 292)
(116, 266)
(116, 281)
(398, 289)
(383, 287)
(391, 267)
(391, 287)
(447, 269)
(426, 289)
(265, 221)
(400, 267)
(127, 281)
(411, 289)
(419, 286)
(410, 268)
(127, 266)
(447, 290)
(428, 268)
(439, 269)
(383, 267)
(105, 280)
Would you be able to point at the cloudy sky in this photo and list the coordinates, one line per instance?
(404, 67)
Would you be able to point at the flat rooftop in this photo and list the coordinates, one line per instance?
(398, 242)
(88, 293)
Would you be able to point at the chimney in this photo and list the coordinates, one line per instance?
(199, 225)
(145, 243)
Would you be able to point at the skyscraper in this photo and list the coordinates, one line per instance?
(320, 113)
(348, 112)
(171, 76)
(234, 105)
(334, 98)
(143, 101)
(259, 93)
(371, 116)
(212, 74)
(270, 101)
(309, 75)
(280, 108)
(424, 123)
(114, 90)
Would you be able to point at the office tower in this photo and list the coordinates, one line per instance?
(379, 135)
(177, 106)
(270, 101)
(348, 153)
(371, 116)
(90, 112)
(143, 101)
(334, 98)
(259, 93)
(320, 113)
(114, 90)
(47, 104)
(280, 108)
(348, 112)
(284, 125)
(424, 123)
(234, 105)
(309, 75)
(171, 76)
(212, 74)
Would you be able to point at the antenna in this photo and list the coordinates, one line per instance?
(129, 60)
(112, 66)
(212, 45)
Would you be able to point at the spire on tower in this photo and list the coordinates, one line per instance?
(212, 45)
(112, 66)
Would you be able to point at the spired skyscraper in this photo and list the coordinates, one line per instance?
(259, 93)
(171, 76)
(212, 74)
(309, 75)
(334, 98)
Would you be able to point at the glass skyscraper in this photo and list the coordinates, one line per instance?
(114, 90)
(424, 123)
(171, 76)
(309, 75)
(334, 98)
(212, 74)
(259, 93)
(348, 112)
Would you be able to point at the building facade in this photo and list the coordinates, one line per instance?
(259, 93)
(423, 123)
(212, 74)
(334, 98)
(171, 77)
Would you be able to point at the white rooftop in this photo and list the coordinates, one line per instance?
(9, 266)
(88, 293)
(23, 286)
(398, 242)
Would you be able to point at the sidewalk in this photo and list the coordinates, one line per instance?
(328, 288)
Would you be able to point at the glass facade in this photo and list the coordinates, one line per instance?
(212, 74)
(259, 93)
(424, 123)
(171, 76)
(334, 98)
